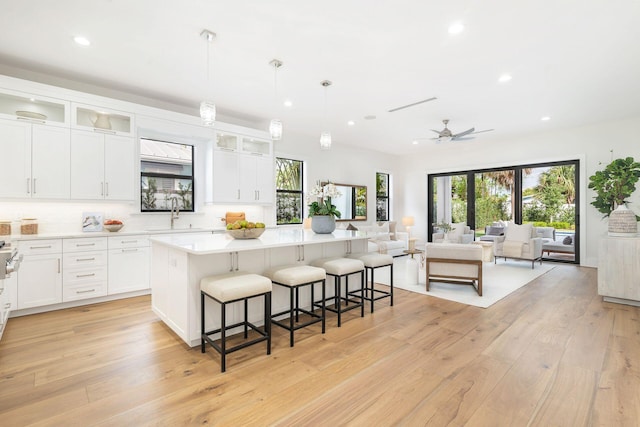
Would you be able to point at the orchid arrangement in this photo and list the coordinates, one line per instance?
(321, 196)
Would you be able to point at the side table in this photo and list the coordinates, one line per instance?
(406, 269)
(487, 250)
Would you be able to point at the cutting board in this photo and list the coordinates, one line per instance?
(231, 217)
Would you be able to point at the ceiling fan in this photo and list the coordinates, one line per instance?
(445, 135)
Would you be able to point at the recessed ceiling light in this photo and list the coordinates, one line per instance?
(82, 41)
(505, 78)
(456, 28)
(414, 142)
(32, 99)
(545, 118)
(351, 123)
(288, 103)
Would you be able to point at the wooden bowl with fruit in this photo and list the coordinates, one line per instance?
(113, 225)
(245, 229)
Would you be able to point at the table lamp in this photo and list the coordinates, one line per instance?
(408, 222)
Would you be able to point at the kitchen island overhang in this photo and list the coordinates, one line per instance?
(179, 262)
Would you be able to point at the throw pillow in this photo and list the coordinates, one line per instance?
(457, 229)
(567, 240)
(392, 230)
(351, 227)
(519, 232)
(495, 231)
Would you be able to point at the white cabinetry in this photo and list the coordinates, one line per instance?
(99, 119)
(85, 268)
(619, 270)
(170, 291)
(8, 299)
(102, 166)
(243, 170)
(128, 264)
(40, 273)
(35, 160)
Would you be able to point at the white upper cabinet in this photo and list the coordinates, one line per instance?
(35, 160)
(102, 166)
(242, 170)
(31, 108)
(102, 120)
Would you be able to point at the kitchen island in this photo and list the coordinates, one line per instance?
(179, 262)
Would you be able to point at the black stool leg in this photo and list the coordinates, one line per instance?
(362, 293)
(291, 315)
(223, 338)
(202, 330)
(246, 317)
(324, 304)
(373, 270)
(337, 293)
(391, 266)
(267, 320)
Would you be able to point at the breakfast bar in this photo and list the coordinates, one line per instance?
(179, 262)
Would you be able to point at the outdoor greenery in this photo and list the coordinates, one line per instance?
(288, 191)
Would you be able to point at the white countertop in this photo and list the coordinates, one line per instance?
(202, 244)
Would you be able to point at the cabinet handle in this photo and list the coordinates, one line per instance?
(106, 193)
(84, 244)
(34, 185)
(28, 185)
(128, 241)
(231, 261)
(102, 188)
(226, 149)
(130, 250)
(253, 153)
(58, 265)
(85, 292)
(40, 247)
(86, 259)
(7, 305)
(85, 275)
(258, 193)
(238, 194)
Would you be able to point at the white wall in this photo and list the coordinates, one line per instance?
(590, 144)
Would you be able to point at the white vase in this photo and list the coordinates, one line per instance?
(622, 222)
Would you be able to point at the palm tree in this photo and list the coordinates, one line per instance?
(506, 180)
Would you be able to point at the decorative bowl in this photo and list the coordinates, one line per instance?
(113, 227)
(246, 233)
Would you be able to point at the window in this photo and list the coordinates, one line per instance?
(382, 196)
(289, 207)
(166, 172)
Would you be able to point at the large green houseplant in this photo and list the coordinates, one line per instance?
(614, 184)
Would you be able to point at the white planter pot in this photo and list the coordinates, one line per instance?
(622, 222)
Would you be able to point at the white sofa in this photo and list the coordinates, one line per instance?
(383, 237)
(454, 263)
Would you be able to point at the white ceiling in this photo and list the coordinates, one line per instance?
(576, 61)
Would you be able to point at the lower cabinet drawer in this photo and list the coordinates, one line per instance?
(89, 290)
(81, 276)
(84, 260)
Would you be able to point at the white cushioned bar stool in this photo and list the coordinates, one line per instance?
(230, 288)
(372, 261)
(339, 268)
(295, 277)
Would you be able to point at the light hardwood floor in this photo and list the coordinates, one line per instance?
(552, 353)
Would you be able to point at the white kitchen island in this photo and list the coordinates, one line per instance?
(179, 262)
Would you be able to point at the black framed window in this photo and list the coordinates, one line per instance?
(382, 196)
(289, 194)
(166, 173)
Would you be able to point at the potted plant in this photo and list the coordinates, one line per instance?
(613, 185)
(322, 211)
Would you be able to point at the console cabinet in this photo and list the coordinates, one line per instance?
(40, 273)
(619, 270)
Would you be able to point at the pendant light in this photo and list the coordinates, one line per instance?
(325, 137)
(208, 108)
(275, 126)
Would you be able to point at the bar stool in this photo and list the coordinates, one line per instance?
(295, 277)
(339, 268)
(229, 288)
(371, 261)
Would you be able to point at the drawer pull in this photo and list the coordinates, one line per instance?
(130, 250)
(85, 275)
(84, 244)
(7, 305)
(40, 247)
(86, 259)
(85, 292)
(128, 241)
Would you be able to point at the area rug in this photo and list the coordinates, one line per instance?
(499, 280)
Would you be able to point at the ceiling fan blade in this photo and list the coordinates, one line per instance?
(467, 138)
(466, 132)
(413, 104)
(436, 131)
(480, 131)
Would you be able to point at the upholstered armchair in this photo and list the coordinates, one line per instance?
(460, 233)
(519, 242)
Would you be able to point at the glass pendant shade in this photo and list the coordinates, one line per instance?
(208, 113)
(275, 129)
(325, 141)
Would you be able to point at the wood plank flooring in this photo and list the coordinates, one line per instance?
(552, 353)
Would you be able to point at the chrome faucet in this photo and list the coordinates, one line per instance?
(175, 210)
